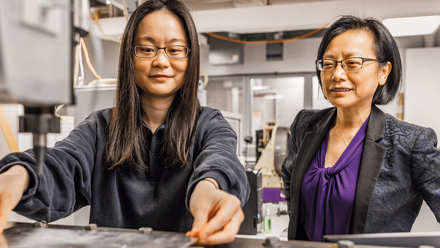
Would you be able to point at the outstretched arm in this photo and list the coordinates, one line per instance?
(64, 185)
(218, 187)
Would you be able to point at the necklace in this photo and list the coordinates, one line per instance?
(343, 137)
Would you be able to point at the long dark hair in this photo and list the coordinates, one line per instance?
(385, 48)
(126, 143)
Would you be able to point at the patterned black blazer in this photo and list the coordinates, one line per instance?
(400, 167)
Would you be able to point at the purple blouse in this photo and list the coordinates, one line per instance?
(327, 194)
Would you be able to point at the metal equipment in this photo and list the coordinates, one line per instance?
(271, 159)
(42, 235)
(36, 63)
(253, 215)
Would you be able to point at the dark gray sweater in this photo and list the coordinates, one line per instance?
(76, 175)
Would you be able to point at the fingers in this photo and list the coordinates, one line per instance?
(225, 224)
(224, 214)
(4, 213)
(3, 242)
(227, 234)
(200, 218)
(12, 185)
(217, 214)
(202, 206)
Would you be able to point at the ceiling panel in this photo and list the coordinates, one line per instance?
(225, 4)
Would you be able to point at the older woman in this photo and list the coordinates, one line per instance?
(353, 168)
(157, 159)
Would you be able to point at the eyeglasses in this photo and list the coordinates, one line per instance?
(174, 52)
(349, 64)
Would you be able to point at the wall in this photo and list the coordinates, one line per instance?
(422, 90)
(298, 56)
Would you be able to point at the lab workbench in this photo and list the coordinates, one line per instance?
(41, 235)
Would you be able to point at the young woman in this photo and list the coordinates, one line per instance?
(353, 168)
(155, 160)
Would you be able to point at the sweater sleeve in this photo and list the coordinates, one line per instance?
(215, 157)
(64, 185)
(425, 166)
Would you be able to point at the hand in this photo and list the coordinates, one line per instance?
(13, 183)
(217, 214)
(3, 241)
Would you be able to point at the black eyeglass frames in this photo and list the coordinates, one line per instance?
(174, 52)
(349, 64)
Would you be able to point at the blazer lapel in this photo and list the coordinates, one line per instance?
(309, 145)
(373, 155)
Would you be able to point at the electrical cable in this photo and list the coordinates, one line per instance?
(266, 41)
(7, 132)
(81, 66)
(86, 53)
(205, 78)
(95, 20)
(76, 67)
(78, 61)
(98, 50)
(63, 117)
(125, 10)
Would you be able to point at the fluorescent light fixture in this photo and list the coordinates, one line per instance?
(409, 26)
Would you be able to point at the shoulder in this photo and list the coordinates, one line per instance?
(210, 117)
(306, 119)
(408, 134)
(103, 114)
(212, 122)
(97, 120)
(213, 128)
(394, 126)
(208, 112)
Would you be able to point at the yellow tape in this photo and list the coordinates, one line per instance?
(7, 131)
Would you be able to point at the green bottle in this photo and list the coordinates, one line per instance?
(267, 227)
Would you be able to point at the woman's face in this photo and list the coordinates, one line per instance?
(160, 76)
(353, 89)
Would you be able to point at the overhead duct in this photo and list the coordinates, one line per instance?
(131, 5)
(249, 3)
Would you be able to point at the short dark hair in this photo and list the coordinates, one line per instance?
(126, 144)
(385, 48)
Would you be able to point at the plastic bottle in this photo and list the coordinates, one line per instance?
(267, 222)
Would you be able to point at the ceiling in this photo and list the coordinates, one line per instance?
(285, 15)
(264, 16)
(225, 4)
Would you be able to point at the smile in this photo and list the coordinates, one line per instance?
(340, 90)
(160, 77)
